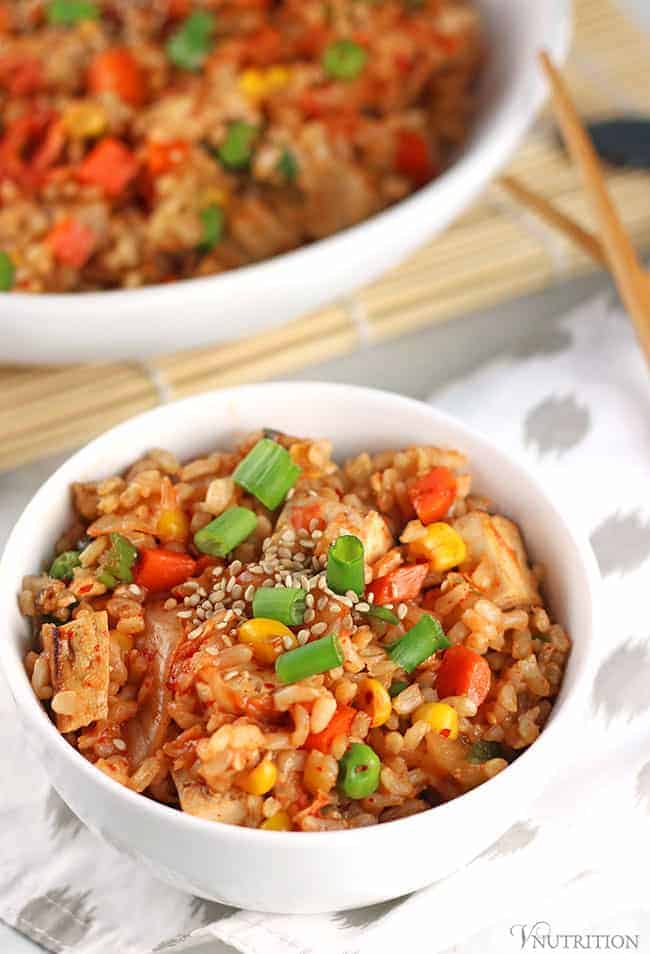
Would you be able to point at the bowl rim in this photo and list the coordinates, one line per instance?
(565, 706)
(466, 171)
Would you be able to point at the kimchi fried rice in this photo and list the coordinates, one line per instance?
(146, 142)
(266, 638)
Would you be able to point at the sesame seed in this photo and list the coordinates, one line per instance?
(230, 675)
(200, 613)
(256, 569)
(322, 603)
(206, 605)
(135, 589)
(317, 534)
(322, 583)
(193, 600)
(216, 596)
(217, 571)
(334, 608)
(120, 744)
(229, 585)
(201, 591)
(309, 600)
(184, 614)
(170, 603)
(288, 536)
(250, 593)
(318, 628)
(309, 616)
(191, 585)
(222, 624)
(371, 597)
(362, 607)
(290, 493)
(195, 632)
(284, 553)
(235, 567)
(267, 583)
(300, 558)
(236, 591)
(347, 622)
(402, 610)
(352, 596)
(212, 650)
(287, 642)
(308, 545)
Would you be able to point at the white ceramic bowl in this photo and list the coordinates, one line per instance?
(132, 324)
(296, 872)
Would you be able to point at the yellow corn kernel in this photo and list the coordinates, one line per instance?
(173, 525)
(268, 638)
(276, 77)
(123, 640)
(278, 822)
(213, 195)
(441, 545)
(252, 83)
(85, 120)
(261, 779)
(442, 718)
(374, 700)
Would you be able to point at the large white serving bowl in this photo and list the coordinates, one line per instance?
(136, 323)
(298, 872)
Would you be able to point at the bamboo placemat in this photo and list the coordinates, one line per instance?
(496, 251)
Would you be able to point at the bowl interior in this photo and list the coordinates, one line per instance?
(355, 419)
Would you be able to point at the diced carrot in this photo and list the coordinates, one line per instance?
(177, 9)
(163, 156)
(463, 673)
(301, 517)
(399, 585)
(262, 48)
(72, 242)
(30, 146)
(412, 157)
(21, 75)
(117, 71)
(160, 570)
(109, 165)
(339, 724)
(433, 494)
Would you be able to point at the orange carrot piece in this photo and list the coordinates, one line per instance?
(433, 494)
(339, 724)
(463, 673)
(110, 165)
(400, 585)
(117, 71)
(72, 242)
(160, 570)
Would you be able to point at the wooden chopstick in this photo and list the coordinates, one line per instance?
(630, 278)
(546, 210)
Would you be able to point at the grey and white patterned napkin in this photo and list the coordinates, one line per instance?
(578, 410)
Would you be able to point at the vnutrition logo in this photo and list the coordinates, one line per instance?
(540, 937)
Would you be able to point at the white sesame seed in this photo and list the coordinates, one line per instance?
(362, 607)
(239, 606)
(308, 545)
(402, 610)
(322, 583)
(309, 600)
(222, 624)
(287, 642)
(120, 744)
(216, 596)
(206, 605)
(230, 675)
(284, 553)
(267, 583)
(135, 589)
(290, 493)
(235, 567)
(256, 569)
(371, 597)
(229, 585)
(318, 629)
(195, 632)
(236, 591)
(170, 603)
(288, 536)
(322, 603)
(309, 616)
(334, 608)
(193, 600)
(303, 636)
(250, 593)
(200, 613)
(201, 591)
(351, 595)
(300, 557)
(191, 585)
(184, 614)
(317, 534)
(347, 622)
(217, 571)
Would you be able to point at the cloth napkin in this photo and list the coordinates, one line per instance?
(577, 408)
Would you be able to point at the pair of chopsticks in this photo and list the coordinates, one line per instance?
(615, 250)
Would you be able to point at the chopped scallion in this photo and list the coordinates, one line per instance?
(69, 12)
(189, 46)
(385, 615)
(396, 687)
(420, 642)
(285, 604)
(226, 532)
(236, 150)
(267, 472)
(484, 751)
(212, 223)
(63, 565)
(117, 565)
(345, 567)
(7, 272)
(310, 659)
(287, 166)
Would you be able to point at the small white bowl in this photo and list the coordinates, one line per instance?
(298, 872)
(109, 325)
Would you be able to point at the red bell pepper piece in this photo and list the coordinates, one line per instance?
(117, 71)
(433, 494)
(72, 242)
(412, 157)
(400, 585)
(160, 570)
(110, 165)
(463, 673)
(163, 156)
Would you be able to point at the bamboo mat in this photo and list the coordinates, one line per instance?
(495, 252)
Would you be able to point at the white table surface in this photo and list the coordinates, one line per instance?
(413, 366)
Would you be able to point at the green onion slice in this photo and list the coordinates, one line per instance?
(345, 568)
(7, 272)
(420, 642)
(226, 532)
(287, 166)
(212, 226)
(484, 751)
(385, 615)
(359, 771)
(344, 59)
(117, 565)
(267, 472)
(63, 565)
(69, 12)
(285, 604)
(310, 659)
(236, 150)
(396, 687)
(190, 45)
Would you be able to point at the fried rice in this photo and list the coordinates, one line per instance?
(150, 142)
(152, 658)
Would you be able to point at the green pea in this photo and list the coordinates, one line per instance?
(359, 771)
(236, 150)
(117, 566)
(344, 59)
(7, 272)
(189, 46)
(63, 566)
